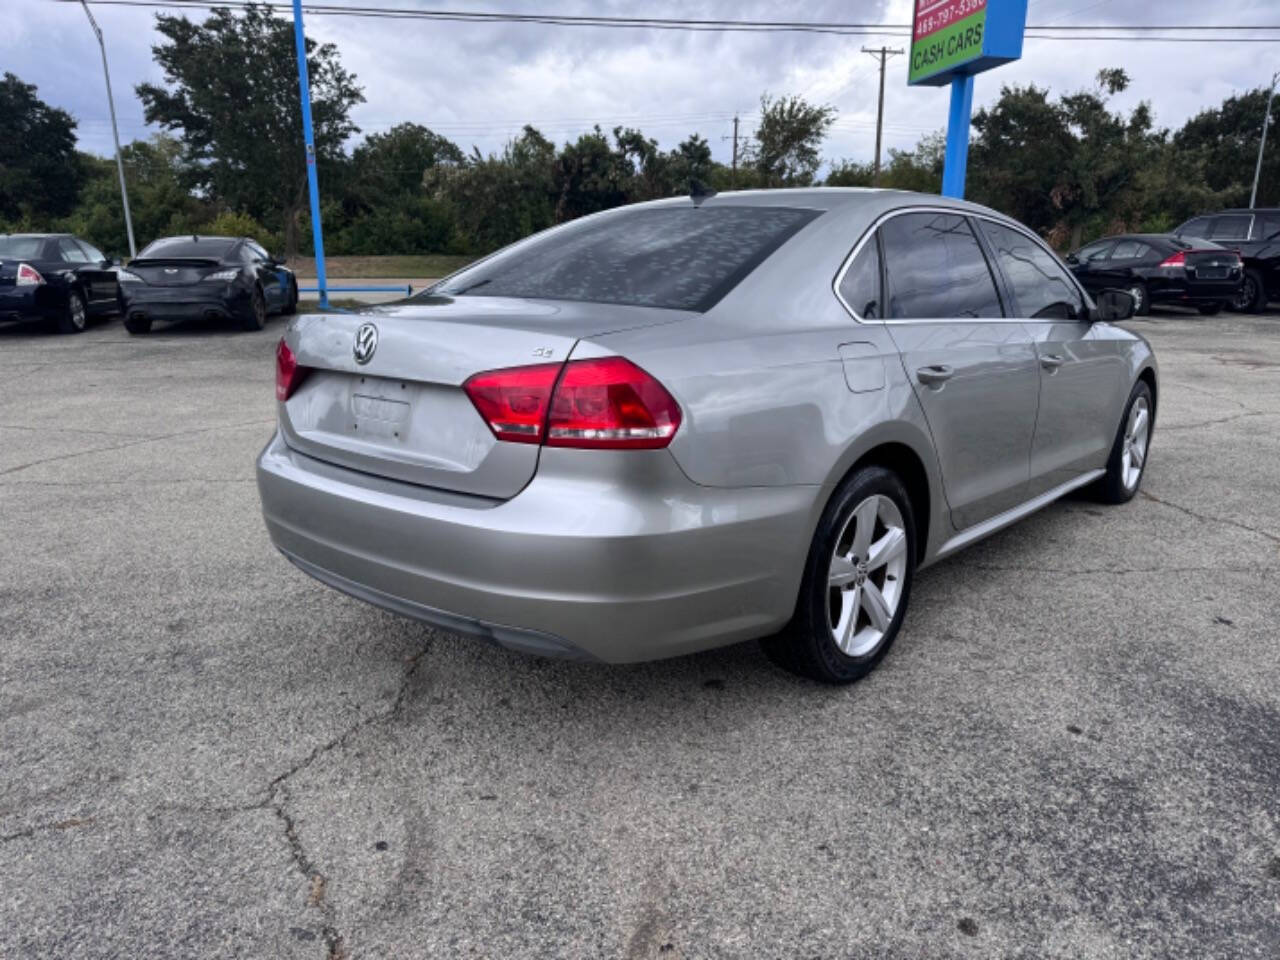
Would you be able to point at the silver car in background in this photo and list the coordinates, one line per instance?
(686, 423)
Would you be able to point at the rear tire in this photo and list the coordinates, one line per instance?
(75, 317)
(1131, 450)
(1253, 293)
(851, 606)
(1141, 298)
(256, 318)
(1210, 309)
(137, 325)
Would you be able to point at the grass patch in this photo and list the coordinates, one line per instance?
(427, 266)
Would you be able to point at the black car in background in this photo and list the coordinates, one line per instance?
(55, 276)
(226, 277)
(1255, 234)
(1161, 268)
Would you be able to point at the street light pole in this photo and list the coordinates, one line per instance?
(115, 133)
(1257, 170)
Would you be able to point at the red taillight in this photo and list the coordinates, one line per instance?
(28, 276)
(610, 402)
(288, 374)
(514, 401)
(1179, 259)
(605, 403)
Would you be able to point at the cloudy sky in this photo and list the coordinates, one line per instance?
(478, 83)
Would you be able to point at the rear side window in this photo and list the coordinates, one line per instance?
(1041, 286)
(21, 248)
(1131, 250)
(1266, 226)
(1231, 228)
(935, 269)
(860, 286)
(681, 258)
(1095, 251)
(183, 247)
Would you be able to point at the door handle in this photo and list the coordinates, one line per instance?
(1051, 361)
(936, 373)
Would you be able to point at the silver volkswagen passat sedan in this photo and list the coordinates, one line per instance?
(685, 423)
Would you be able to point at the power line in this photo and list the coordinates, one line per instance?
(1048, 31)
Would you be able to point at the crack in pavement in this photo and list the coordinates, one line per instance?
(1212, 423)
(52, 429)
(134, 443)
(277, 800)
(1274, 538)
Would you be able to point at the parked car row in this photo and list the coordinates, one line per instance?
(1227, 259)
(61, 278)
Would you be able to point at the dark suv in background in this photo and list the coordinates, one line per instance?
(1255, 234)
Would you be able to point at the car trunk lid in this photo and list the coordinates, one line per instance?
(1212, 264)
(403, 413)
(172, 271)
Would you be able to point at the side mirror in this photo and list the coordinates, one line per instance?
(278, 258)
(1071, 258)
(111, 261)
(1114, 305)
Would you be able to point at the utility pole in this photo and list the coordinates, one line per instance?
(1257, 171)
(734, 178)
(124, 191)
(882, 54)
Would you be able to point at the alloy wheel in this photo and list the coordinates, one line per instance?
(1139, 297)
(866, 576)
(1137, 433)
(76, 306)
(259, 308)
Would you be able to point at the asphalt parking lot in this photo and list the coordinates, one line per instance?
(1072, 751)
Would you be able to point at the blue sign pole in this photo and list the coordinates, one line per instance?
(951, 41)
(957, 156)
(304, 89)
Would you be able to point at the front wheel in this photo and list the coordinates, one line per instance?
(856, 582)
(1128, 460)
(74, 318)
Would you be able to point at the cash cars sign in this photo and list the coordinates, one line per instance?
(952, 38)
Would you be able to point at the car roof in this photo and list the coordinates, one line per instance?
(194, 237)
(1137, 236)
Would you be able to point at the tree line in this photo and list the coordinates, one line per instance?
(1070, 166)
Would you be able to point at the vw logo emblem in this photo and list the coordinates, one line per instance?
(366, 343)
(170, 269)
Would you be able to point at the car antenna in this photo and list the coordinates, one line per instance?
(699, 191)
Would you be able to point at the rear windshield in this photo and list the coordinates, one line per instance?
(20, 248)
(680, 258)
(208, 247)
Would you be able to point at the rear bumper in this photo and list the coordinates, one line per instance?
(603, 556)
(179, 303)
(30, 302)
(1194, 291)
